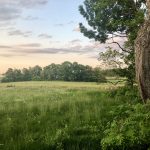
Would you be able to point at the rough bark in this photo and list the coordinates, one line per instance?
(142, 51)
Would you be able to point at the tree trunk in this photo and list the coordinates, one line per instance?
(142, 51)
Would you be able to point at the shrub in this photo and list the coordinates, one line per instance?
(130, 128)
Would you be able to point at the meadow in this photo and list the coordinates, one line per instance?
(60, 115)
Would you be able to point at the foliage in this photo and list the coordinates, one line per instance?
(112, 58)
(130, 128)
(109, 20)
(110, 17)
(67, 71)
(126, 92)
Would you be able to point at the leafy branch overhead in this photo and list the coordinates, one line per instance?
(105, 17)
(108, 20)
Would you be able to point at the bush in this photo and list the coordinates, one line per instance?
(127, 94)
(130, 128)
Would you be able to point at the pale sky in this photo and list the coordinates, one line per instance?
(41, 32)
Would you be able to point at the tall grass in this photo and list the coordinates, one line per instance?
(55, 115)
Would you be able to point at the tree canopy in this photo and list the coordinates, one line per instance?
(116, 18)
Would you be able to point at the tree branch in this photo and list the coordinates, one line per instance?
(114, 42)
(120, 46)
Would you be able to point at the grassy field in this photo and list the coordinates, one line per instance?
(40, 115)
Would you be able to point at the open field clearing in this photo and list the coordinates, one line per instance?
(54, 115)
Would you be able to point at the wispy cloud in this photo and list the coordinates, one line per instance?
(45, 36)
(59, 25)
(12, 9)
(32, 3)
(75, 41)
(23, 3)
(63, 24)
(20, 33)
(70, 22)
(6, 55)
(9, 55)
(8, 13)
(30, 45)
(5, 47)
(30, 18)
(54, 42)
(92, 49)
(77, 49)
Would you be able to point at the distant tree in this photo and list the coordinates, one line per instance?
(26, 74)
(76, 72)
(67, 74)
(8, 76)
(17, 75)
(66, 71)
(12, 75)
(98, 76)
(87, 73)
(52, 72)
(36, 72)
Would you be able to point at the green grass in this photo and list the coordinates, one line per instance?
(40, 115)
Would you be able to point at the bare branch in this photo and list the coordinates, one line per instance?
(114, 42)
(119, 46)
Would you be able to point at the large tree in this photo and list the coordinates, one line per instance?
(142, 47)
(108, 19)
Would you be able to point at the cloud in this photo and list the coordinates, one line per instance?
(6, 55)
(12, 9)
(11, 55)
(32, 3)
(91, 49)
(20, 33)
(73, 47)
(23, 3)
(8, 13)
(45, 36)
(5, 47)
(30, 18)
(70, 22)
(54, 42)
(93, 56)
(77, 49)
(59, 25)
(6, 25)
(30, 45)
(75, 41)
(64, 24)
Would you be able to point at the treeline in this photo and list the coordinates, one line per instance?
(66, 71)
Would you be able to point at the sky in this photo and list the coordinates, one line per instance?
(41, 32)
